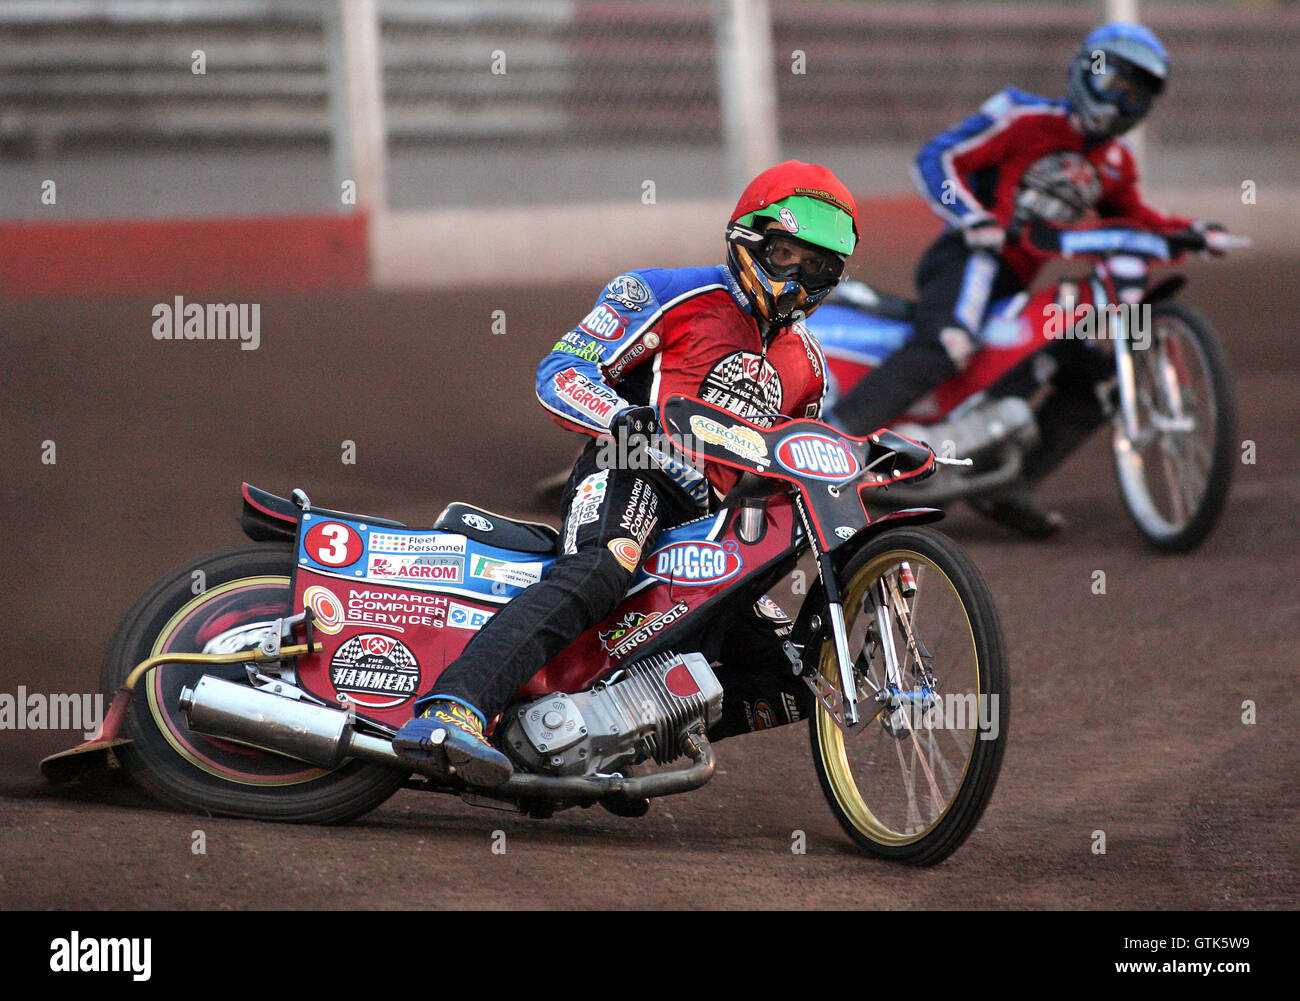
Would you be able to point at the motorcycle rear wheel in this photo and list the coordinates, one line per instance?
(196, 773)
(1175, 481)
(911, 785)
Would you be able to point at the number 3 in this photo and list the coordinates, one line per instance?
(337, 552)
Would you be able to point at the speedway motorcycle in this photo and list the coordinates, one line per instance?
(273, 690)
(1171, 399)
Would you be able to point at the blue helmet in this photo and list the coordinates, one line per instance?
(1118, 72)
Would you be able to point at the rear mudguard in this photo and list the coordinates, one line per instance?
(803, 635)
(268, 518)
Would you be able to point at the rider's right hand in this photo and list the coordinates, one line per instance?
(1216, 237)
(983, 232)
(1205, 237)
(635, 425)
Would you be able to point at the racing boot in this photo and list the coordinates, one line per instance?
(450, 732)
(1015, 508)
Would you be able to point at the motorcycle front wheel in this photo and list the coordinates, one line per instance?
(216, 596)
(910, 781)
(1175, 474)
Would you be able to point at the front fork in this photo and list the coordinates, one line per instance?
(835, 609)
(842, 705)
(1128, 403)
(1175, 420)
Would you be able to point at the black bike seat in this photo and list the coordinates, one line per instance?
(497, 530)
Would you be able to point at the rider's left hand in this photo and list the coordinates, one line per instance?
(636, 426)
(982, 231)
(1212, 233)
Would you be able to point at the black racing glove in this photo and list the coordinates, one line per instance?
(637, 420)
(635, 428)
(1211, 232)
(983, 232)
(1202, 237)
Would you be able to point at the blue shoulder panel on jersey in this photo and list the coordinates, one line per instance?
(929, 171)
(930, 174)
(1023, 98)
(571, 380)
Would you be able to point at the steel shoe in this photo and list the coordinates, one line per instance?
(450, 734)
(1017, 510)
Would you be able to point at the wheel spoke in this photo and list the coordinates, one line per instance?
(1176, 498)
(902, 802)
(1178, 400)
(912, 818)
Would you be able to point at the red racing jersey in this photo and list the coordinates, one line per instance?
(684, 331)
(977, 167)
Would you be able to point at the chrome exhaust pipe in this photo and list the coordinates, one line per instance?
(592, 788)
(315, 734)
(326, 738)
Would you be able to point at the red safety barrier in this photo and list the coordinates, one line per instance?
(901, 225)
(230, 254)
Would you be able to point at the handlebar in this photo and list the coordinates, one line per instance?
(1118, 236)
(1227, 241)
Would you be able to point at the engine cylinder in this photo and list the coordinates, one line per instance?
(644, 712)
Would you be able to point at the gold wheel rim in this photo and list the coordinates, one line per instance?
(160, 717)
(830, 739)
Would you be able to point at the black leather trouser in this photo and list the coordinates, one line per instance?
(586, 583)
(953, 290)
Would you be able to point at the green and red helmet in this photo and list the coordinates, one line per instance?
(789, 235)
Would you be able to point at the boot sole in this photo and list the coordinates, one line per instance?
(451, 760)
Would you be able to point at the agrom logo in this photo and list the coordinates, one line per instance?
(694, 563)
(736, 439)
(432, 569)
(817, 456)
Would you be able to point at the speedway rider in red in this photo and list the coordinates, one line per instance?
(730, 335)
(1021, 157)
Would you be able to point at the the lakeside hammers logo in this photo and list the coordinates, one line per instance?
(375, 671)
(745, 384)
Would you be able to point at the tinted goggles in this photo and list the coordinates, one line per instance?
(786, 258)
(1128, 88)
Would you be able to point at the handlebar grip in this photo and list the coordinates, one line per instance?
(1228, 241)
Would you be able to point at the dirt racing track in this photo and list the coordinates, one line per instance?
(1128, 706)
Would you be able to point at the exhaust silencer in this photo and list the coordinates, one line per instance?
(326, 738)
(311, 733)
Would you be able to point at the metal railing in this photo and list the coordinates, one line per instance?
(111, 72)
